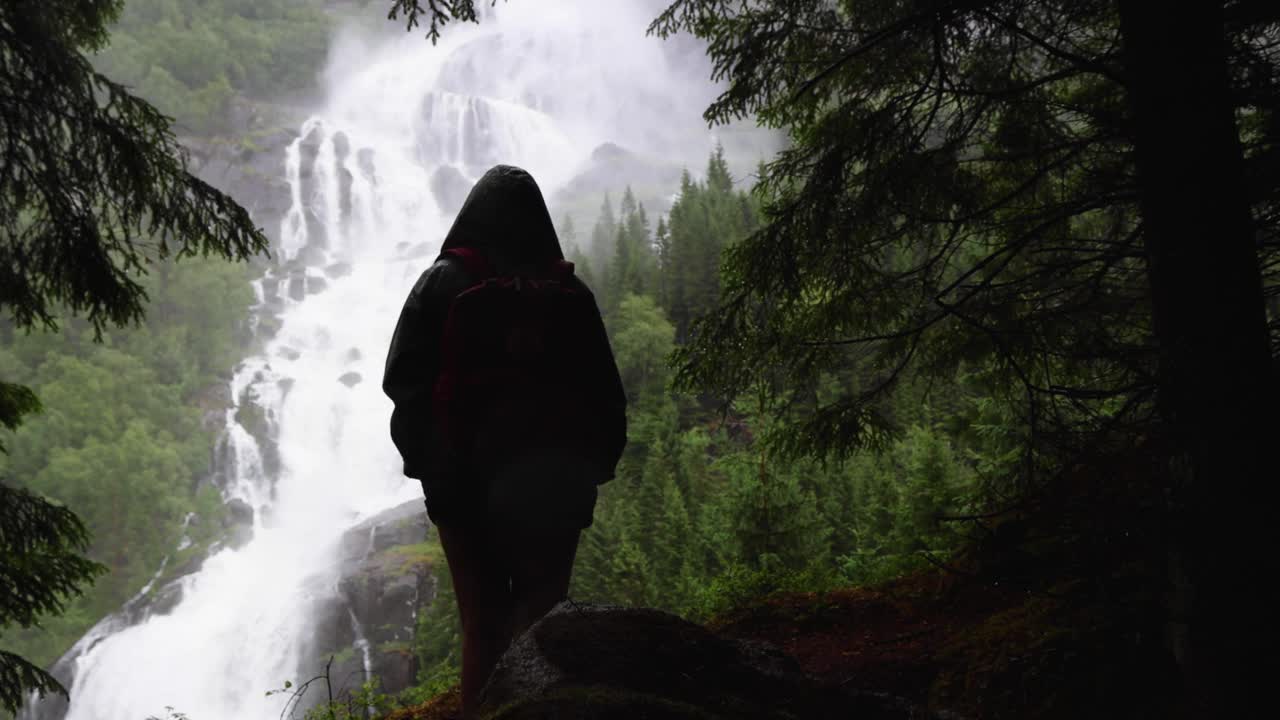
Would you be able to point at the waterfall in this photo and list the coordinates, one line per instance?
(406, 124)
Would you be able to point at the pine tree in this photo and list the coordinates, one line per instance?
(568, 234)
(662, 264)
(601, 252)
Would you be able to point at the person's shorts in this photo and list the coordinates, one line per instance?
(551, 491)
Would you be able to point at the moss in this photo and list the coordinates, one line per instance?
(397, 647)
(344, 655)
(406, 558)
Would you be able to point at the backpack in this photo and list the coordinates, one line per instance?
(513, 379)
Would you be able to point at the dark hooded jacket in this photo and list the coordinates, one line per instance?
(505, 218)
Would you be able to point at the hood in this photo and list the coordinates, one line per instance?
(506, 218)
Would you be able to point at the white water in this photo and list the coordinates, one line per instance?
(538, 86)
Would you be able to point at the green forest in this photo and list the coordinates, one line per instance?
(193, 59)
(1002, 320)
(126, 439)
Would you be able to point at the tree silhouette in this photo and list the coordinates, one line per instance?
(1080, 197)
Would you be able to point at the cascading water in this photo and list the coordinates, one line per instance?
(537, 85)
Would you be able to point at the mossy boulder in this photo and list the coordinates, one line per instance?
(586, 661)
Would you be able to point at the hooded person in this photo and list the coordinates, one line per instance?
(509, 530)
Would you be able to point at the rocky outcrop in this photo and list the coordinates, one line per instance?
(387, 576)
(588, 661)
(249, 168)
(449, 187)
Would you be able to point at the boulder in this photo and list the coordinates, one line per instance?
(341, 145)
(449, 187)
(350, 378)
(270, 287)
(297, 286)
(365, 163)
(316, 283)
(238, 522)
(586, 661)
(338, 270)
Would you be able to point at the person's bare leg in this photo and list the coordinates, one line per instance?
(541, 566)
(481, 585)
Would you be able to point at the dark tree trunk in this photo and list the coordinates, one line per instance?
(1216, 384)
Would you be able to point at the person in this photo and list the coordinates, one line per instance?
(509, 524)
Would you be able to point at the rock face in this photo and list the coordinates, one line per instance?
(250, 170)
(589, 661)
(387, 576)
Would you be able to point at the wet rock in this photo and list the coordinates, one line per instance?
(341, 145)
(248, 164)
(387, 573)
(213, 402)
(310, 144)
(297, 286)
(353, 355)
(345, 179)
(239, 512)
(338, 270)
(351, 378)
(288, 353)
(395, 666)
(585, 661)
(315, 284)
(239, 523)
(166, 599)
(270, 287)
(193, 564)
(268, 325)
(449, 188)
(364, 163)
(313, 253)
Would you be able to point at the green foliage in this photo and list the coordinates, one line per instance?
(437, 640)
(641, 343)
(120, 441)
(702, 516)
(95, 188)
(342, 703)
(438, 13)
(43, 545)
(190, 59)
(954, 193)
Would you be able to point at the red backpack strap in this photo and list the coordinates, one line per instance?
(473, 260)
